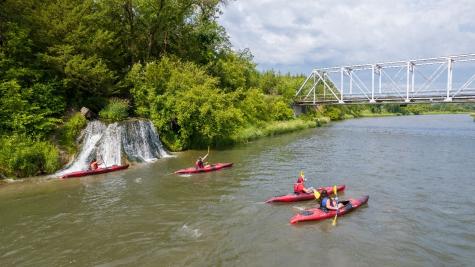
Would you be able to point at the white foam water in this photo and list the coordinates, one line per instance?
(116, 143)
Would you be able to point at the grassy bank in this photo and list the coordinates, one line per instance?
(368, 113)
(270, 129)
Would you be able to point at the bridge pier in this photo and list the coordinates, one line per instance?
(298, 110)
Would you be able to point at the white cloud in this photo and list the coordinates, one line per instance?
(299, 35)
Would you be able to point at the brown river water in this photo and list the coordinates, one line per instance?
(418, 170)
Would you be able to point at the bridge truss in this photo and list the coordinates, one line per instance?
(432, 80)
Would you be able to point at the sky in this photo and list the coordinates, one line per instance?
(300, 35)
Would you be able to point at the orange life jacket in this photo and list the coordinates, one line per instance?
(298, 188)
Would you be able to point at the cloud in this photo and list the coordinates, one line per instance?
(297, 36)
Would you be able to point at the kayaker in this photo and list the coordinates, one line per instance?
(299, 186)
(93, 165)
(199, 164)
(327, 202)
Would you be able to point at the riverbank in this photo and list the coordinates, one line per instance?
(274, 128)
(322, 120)
(270, 129)
(281, 127)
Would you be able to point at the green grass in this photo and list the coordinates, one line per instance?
(435, 112)
(270, 129)
(368, 113)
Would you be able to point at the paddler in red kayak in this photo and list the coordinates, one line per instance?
(94, 165)
(299, 186)
(329, 203)
(199, 164)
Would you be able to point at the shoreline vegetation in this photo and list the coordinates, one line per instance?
(176, 68)
(250, 133)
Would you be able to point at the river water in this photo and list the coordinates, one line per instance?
(418, 170)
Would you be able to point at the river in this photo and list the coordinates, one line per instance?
(418, 170)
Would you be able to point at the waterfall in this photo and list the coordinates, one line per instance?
(116, 144)
(141, 143)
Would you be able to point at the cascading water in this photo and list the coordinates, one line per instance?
(116, 143)
(141, 143)
(109, 150)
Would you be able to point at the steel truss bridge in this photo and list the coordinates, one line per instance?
(432, 80)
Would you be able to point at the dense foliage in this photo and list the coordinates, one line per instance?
(22, 156)
(116, 110)
(70, 131)
(168, 61)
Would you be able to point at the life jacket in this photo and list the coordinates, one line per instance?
(324, 202)
(199, 164)
(298, 188)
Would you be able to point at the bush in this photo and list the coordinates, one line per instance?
(184, 103)
(29, 110)
(21, 156)
(116, 110)
(281, 111)
(71, 130)
(334, 113)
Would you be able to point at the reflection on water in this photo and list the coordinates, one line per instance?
(418, 171)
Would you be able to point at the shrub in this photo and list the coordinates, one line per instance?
(184, 103)
(116, 110)
(334, 113)
(281, 111)
(71, 130)
(21, 156)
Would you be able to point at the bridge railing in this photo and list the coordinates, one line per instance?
(420, 80)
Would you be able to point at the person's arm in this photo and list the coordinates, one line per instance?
(205, 156)
(329, 206)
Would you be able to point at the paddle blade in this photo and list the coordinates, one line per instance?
(334, 190)
(316, 194)
(334, 220)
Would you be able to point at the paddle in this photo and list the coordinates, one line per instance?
(206, 163)
(316, 194)
(336, 198)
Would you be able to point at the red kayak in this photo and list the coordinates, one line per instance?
(207, 168)
(113, 168)
(317, 214)
(304, 196)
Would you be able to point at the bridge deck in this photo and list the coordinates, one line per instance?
(432, 80)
